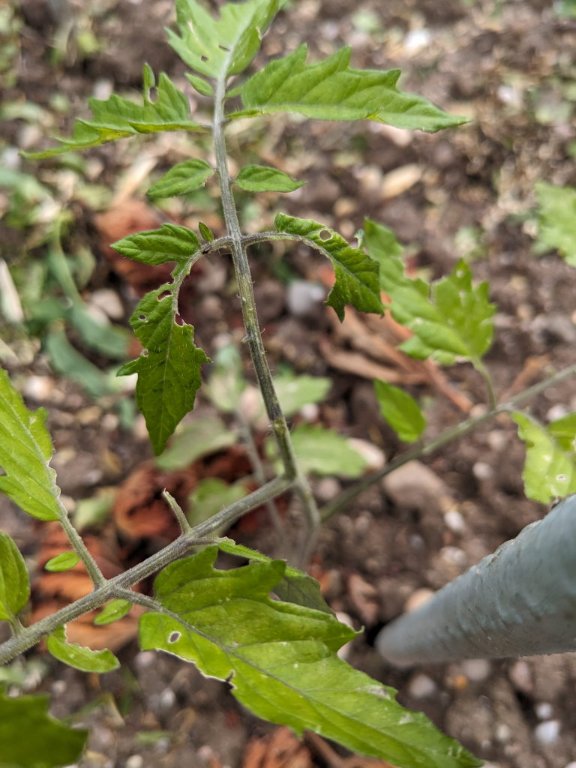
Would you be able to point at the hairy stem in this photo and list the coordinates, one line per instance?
(29, 636)
(445, 437)
(250, 316)
(80, 548)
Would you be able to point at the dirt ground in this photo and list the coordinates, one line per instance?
(468, 193)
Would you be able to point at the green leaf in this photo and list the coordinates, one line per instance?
(169, 366)
(549, 470)
(281, 662)
(205, 232)
(323, 452)
(564, 431)
(117, 117)
(63, 562)
(182, 179)
(263, 178)
(296, 586)
(557, 219)
(14, 582)
(401, 411)
(110, 340)
(25, 452)
(158, 246)
(356, 273)
(450, 318)
(218, 48)
(84, 659)
(227, 381)
(332, 90)
(294, 392)
(113, 611)
(203, 87)
(210, 496)
(201, 437)
(31, 738)
(67, 361)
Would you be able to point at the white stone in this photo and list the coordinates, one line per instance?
(476, 670)
(547, 732)
(421, 686)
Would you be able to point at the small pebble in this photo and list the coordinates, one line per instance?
(521, 676)
(476, 670)
(421, 686)
(503, 733)
(146, 659)
(418, 598)
(135, 761)
(544, 710)
(303, 297)
(547, 732)
(455, 521)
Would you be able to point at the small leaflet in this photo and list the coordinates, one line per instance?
(79, 657)
(182, 179)
(263, 178)
(25, 453)
(355, 271)
(169, 366)
(117, 117)
(14, 581)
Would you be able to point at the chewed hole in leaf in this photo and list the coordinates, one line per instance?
(224, 48)
(325, 234)
(144, 353)
(143, 318)
(173, 637)
(164, 295)
(203, 58)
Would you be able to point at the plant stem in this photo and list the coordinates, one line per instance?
(258, 469)
(29, 636)
(447, 436)
(250, 316)
(77, 543)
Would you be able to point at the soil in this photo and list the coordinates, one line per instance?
(462, 193)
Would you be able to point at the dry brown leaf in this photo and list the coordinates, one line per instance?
(280, 749)
(141, 512)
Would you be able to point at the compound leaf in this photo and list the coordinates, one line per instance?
(332, 90)
(157, 246)
(557, 219)
(79, 657)
(31, 738)
(218, 48)
(401, 411)
(451, 318)
(263, 178)
(356, 273)
(25, 452)
(169, 366)
(117, 117)
(14, 582)
(181, 179)
(281, 661)
(549, 469)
